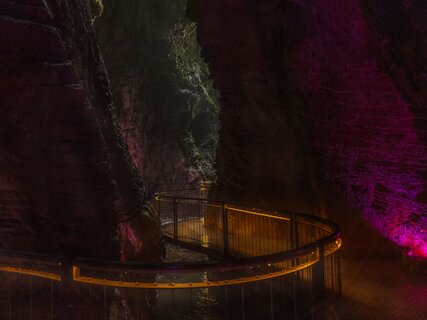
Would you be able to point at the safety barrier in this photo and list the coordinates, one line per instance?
(263, 264)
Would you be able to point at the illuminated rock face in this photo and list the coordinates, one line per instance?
(67, 185)
(363, 125)
(340, 82)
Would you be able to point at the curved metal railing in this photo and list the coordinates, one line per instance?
(260, 243)
(246, 245)
(292, 242)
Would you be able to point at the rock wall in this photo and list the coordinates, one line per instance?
(323, 89)
(263, 156)
(168, 123)
(67, 185)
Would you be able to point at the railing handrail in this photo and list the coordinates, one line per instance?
(187, 266)
(183, 267)
(333, 225)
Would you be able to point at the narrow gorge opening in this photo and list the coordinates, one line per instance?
(167, 106)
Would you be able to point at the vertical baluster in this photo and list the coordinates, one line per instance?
(9, 291)
(248, 219)
(257, 300)
(208, 298)
(269, 240)
(294, 231)
(242, 234)
(200, 223)
(225, 229)
(51, 300)
(294, 295)
(312, 294)
(175, 220)
(187, 222)
(319, 274)
(276, 235)
(307, 234)
(158, 208)
(242, 300)
(260, 234)
(331, 260)
(105, 301)
(226, 303)
(173, 301)
(266, 236)
(294, 244)
(339, 273)
(146, 298)
(336, 276)
(194, 220)
(191, 300)
(283, 297)
(271, 300)
(203, 231)
(194, 208)
(251, 238)
(220, 230)
(31, 297)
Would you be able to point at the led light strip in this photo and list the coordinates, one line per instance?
(30, 272)
(173, 285)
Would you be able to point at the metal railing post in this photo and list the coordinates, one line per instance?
(175, 219)
(294, 231)
(225, 229)
(66, 271)
(319, 273)
(295, 278)
(158, 208)
(294, 236)
(338, 265)
(67, 279)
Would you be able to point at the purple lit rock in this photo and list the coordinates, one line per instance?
(323, 90)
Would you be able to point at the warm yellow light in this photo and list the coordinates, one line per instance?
(30, 272)
(185, 285)
(256, 213)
